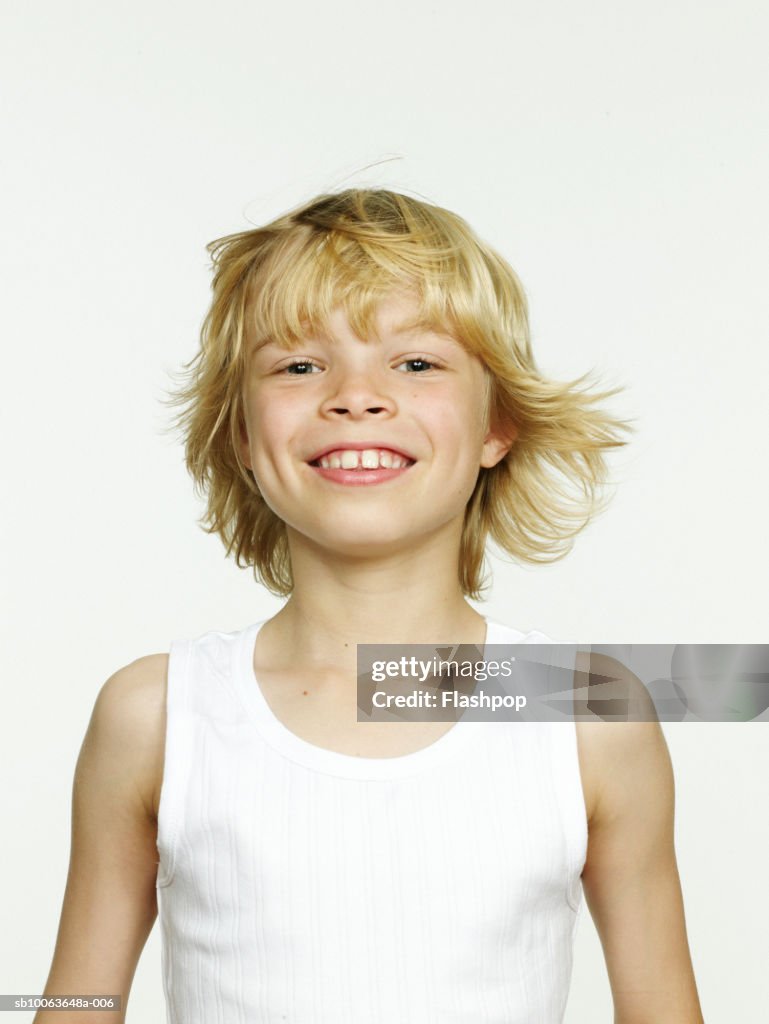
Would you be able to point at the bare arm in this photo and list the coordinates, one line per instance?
(109, 903)
(631, 880)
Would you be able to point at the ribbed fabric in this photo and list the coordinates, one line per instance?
(302, 885)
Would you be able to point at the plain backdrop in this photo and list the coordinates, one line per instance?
(616, 154)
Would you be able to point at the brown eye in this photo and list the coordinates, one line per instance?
(300, 366)
(423, 363)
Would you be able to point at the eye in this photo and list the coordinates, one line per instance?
(301, 367)
(426, 364)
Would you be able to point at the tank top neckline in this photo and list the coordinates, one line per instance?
(333, 762)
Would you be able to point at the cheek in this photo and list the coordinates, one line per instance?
(458, 424)
(269, 424)
(273, 430)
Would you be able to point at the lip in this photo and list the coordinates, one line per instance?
(360, 446)
(361, 478)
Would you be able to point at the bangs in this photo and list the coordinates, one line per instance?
(315, 269)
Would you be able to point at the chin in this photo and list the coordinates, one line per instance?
(360, 543)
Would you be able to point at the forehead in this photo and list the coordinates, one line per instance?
(393, 316)
(397, 315)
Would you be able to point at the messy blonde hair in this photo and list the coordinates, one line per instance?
(350, 249)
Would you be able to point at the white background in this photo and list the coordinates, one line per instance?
(616, 154)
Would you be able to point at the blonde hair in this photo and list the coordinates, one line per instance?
(350, 249)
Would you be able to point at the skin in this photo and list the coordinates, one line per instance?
(355, 553)
(630, 879)
(357, 550)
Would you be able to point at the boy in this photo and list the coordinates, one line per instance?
(364, 412)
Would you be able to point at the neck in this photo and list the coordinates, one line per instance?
(406, 597)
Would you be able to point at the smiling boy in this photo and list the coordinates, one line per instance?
(365, 411)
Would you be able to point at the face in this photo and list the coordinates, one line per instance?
(406, 411)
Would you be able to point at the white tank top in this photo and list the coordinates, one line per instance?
(303, 885)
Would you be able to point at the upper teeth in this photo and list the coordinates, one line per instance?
(369, 458)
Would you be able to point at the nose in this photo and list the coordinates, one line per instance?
(357, 393)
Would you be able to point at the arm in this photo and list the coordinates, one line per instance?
(109, 903)
(631, 879)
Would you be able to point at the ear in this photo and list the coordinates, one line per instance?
(497, 444)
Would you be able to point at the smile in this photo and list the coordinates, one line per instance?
(368, 458)
(368, 466)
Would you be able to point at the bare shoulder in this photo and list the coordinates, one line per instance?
(129, 718)
(616, 756)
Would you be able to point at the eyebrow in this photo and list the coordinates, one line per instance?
(404, 328)
(420, 327)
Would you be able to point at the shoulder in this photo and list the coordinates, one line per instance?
(134, 686)
(619, 759)
(128, 721)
